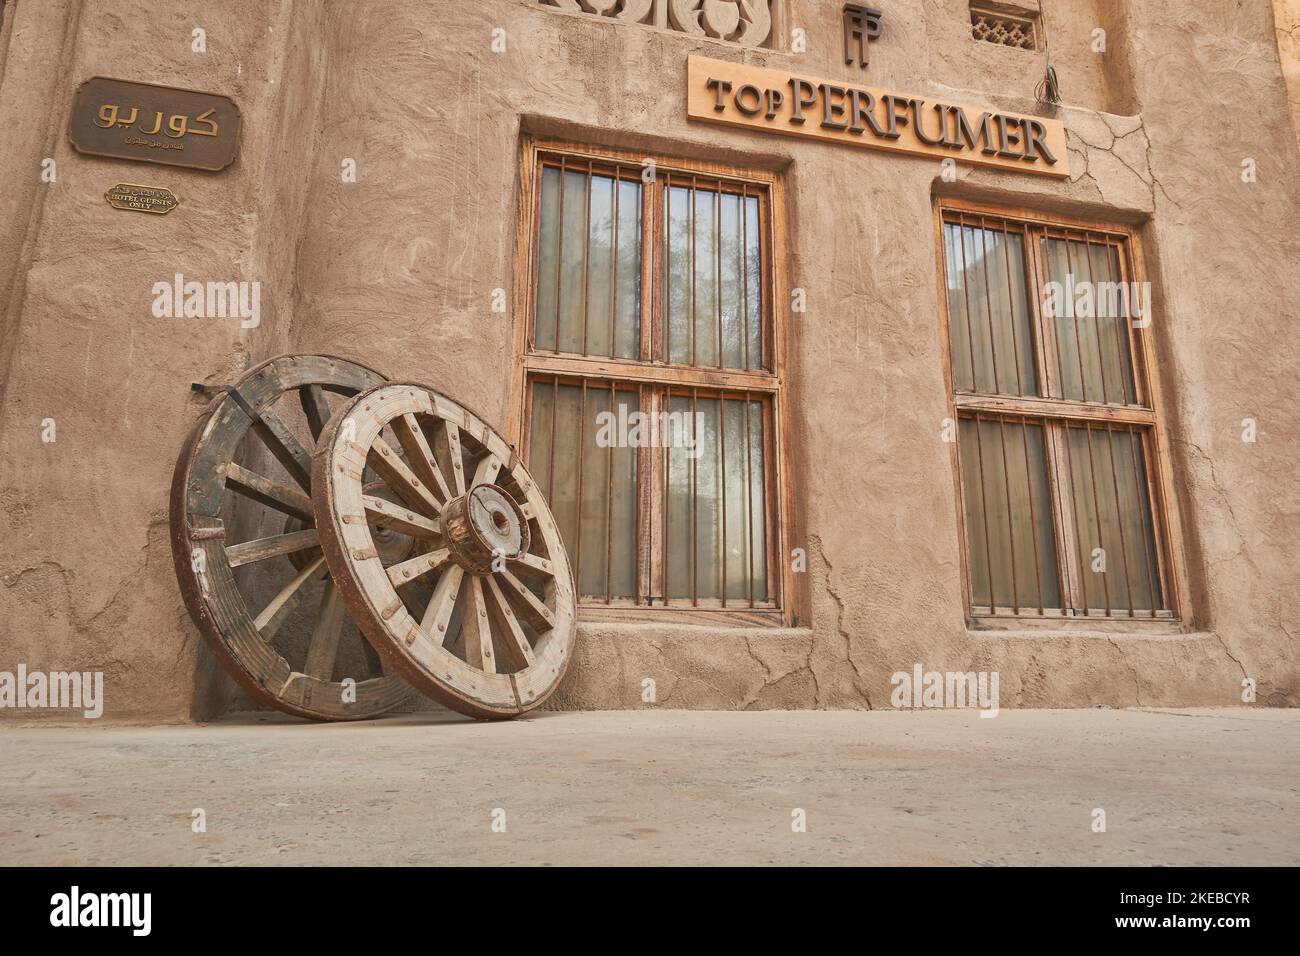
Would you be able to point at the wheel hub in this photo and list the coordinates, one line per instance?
(483, 526)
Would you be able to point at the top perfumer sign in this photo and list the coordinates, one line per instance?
(778, 101)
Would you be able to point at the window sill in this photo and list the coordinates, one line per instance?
(676, 617)
(1076, 628)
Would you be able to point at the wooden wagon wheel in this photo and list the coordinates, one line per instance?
(496, 634)
(251, 445)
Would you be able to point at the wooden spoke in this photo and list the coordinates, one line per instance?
(438, 614)
(315, 407)
(213, 489)
(282, 605)
(404, 482)
(388, 515)
(261, 549)
(477, 629)
(518, 650)
(530, 608)
(488, 469)
(284, 445)
(419, 455)
(323, 648)
(268, 491)
(532, 567)
(418, 566)
(451, 434)
(483, 642)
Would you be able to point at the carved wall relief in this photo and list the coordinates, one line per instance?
(745, 22)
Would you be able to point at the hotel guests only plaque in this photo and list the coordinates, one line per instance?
(154, 124)
(155, 199)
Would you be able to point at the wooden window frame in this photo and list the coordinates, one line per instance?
(1145, 414)
(650, 377)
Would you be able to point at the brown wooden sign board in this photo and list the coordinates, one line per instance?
(154, 124)
(791, 104)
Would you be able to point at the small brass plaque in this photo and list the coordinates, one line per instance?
(154, 124)
(142, 198)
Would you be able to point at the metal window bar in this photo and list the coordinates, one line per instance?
(586, 264)
(717, 270)
(694, 266)
(614, 225)
(668, 270)
(743, 245)
(609, 505)
(559, 256)
(749, 502)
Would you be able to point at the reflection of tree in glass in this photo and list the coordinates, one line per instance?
(576, 248)
(721, 273)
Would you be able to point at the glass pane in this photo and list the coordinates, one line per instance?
(1010, 537)
(1086, 304)
(713, 285)
(589, 264)
(715, 516)
(547, 261)
(582, 455)
(708, 307)
(988, 311)
(1112, 515)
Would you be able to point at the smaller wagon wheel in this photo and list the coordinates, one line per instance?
(496, 634)
(251, 446)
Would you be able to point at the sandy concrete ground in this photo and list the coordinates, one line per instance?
(666, 787)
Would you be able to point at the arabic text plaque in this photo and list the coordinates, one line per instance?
(154, 124)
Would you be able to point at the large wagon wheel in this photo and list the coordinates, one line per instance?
(496, 634)
(251, 446)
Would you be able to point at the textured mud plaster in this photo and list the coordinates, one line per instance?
(398, 270)
(690, 667)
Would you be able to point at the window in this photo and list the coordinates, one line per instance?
(993, 26)
(651, 375)
(1057, 443)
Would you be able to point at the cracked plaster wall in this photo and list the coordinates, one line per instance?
(398, 269)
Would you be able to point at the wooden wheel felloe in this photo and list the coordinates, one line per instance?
(246, 550)
(496, 633)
